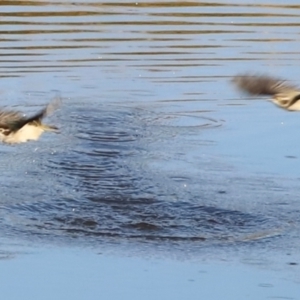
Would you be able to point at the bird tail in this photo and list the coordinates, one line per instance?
(263, 85)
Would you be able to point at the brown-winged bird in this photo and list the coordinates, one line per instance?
(283, 94)
(17, 128)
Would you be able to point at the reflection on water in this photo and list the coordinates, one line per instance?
(156, 146)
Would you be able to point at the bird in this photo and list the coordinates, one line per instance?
(16, 128)
(283, 94)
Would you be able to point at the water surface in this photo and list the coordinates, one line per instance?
(157, 149)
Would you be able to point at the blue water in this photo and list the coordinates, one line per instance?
(157, 148)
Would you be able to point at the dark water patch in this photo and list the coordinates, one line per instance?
(140, 220)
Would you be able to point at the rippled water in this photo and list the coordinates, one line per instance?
(156, 146)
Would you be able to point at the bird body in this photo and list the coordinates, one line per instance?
(284, 95)
(17, 128)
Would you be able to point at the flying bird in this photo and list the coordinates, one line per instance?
(283, 94)
(17, 128)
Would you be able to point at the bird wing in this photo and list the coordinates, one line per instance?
(10, 120)
(264, 85)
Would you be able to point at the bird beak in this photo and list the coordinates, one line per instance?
(50, 128)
